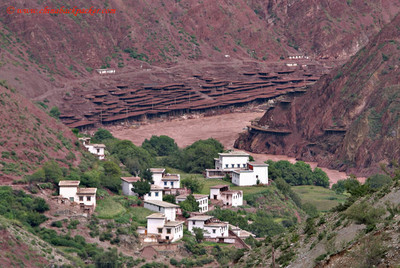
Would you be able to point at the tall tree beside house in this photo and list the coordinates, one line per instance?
(141, 187)
(190, 204)
(102, 135)
(147, 175)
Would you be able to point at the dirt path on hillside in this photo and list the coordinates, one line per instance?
(225, 128)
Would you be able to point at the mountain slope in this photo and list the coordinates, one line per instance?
(349, 120)
(29, 137)
(47, 51)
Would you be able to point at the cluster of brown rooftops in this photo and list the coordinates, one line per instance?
(125, 102)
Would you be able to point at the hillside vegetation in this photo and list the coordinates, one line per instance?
(29, 137)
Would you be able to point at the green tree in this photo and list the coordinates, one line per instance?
(55, 112)
(102, 135)
(378, 181)
(108, 259)
(199, 234)
(190, 204)
(141, 187)
(193, 184)
(169, 198)
(147, 175)
(53, 172)
(160, 146)
(111, 177)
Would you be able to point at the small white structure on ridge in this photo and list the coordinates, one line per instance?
(165, 180)
(168, 209)
(156, 193)
(96, 149)
(211, 227)
(256, 173)
(228, 197)
(83, 196)
(158, 224)
(127, 185)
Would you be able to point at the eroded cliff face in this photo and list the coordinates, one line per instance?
(349, 120)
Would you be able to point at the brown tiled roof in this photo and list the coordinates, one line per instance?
(218, 186)
(87, 191)
(130, 179)
(69, 183)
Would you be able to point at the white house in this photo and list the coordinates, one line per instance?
(168, 209)
(256, 173)
(231, 160)
(156, 193)
(211, 227)
(158, 224)
(228, 197)
(105, 71)
(165, 180)
(127, 185)
(83, 196)
(96, 149)
(200, 198)
(227, 162)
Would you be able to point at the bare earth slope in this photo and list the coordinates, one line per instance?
(29, 137)
(350, 118)
(47, 51)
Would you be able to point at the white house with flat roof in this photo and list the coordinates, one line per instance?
(165, 180)
(231, 160)
(168, 209)
(156, 193)
(83, 196)
(200, 198)
(127, 185)
(228, 197)
(211, 227)
(256, 173)
(96, 149)
(158, 224)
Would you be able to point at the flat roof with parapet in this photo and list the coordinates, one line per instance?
(234, 153)
(216, 224)
(98, 145)
(69, 183)
(154, 187)
(231, 192)
(218, 186)
(156, 216)
(196, 196)
(130, 179)
(173, 223)
(200, 218)
(161, 204)
(258, 164)
(171, 177)
(157, 170)
(87, 191)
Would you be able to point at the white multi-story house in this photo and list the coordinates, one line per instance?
(228, 197)
(156, 193)
(96, 149)
(158, 224)
(127, 185)
(200, 198)
(165, 180)
(211, 227)
(168, 209)
(83, 196)
(231, 160)
(256, 173)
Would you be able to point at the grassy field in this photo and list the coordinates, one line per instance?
(108, 208)
(324, 199)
